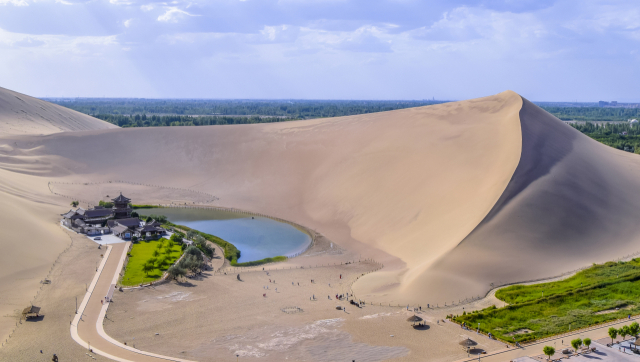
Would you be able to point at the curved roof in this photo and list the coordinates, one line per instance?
(121, 199)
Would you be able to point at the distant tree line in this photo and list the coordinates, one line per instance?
(177, 120)
(293, 109)
(594, 114)
(134, 112)
(623, 136)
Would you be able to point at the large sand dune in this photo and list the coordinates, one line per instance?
(450, 197)
(22, 114)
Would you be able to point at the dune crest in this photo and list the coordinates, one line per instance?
(22, 114)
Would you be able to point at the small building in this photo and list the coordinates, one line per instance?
(117, 220)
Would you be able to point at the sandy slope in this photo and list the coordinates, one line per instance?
(22, 114)
(571, 202)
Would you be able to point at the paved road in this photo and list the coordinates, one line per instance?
(89, 328)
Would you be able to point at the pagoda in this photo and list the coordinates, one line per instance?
(121, 208)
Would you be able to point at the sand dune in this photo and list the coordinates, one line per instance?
(451, 197)
(404, 187)
(22, 114)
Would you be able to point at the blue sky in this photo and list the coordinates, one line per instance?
(546, 50)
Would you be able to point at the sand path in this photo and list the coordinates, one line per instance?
(92, 312)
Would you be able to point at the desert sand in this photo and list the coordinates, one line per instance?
(450, 198)
(22, 114)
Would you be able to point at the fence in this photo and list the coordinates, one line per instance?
(209, 197)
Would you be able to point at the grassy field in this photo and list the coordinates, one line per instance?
(595, 275)
(140, 254)
(599, 294)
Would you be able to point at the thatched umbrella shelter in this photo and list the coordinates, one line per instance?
(467, 343)
(414, 318)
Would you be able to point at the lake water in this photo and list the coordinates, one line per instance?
(256, 238)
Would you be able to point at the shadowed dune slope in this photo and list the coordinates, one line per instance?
(404, 187)
(571, 201)
(22, 114)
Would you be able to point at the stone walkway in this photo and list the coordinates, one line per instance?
(87, 328)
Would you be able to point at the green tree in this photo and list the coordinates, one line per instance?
(624, 332)
(549, 351)
(576, 343)
(613, 333)
(167, 251)
(156, 252)
(176, 272)
(147, 267)
(134, 239)
(587, 342)
(171, 244)
(191, 234)
(176, 238)
(634, 329)
(75, 203)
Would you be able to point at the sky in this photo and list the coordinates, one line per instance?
(546, 50)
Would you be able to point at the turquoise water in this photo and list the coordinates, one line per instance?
(256, 238)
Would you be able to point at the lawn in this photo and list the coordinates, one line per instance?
(599, 294)
(141, 253)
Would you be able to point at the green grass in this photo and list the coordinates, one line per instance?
(570, 303)
(275, 259)
(589, 277)
(140, 253)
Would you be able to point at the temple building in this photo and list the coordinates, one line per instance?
(117, 220)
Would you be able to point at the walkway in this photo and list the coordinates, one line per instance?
(535, 349)
(87, 328)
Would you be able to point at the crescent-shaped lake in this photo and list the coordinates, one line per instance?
(256, 237)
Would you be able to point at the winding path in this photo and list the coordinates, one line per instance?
(87, 328)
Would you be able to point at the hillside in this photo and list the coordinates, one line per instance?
(22, 114)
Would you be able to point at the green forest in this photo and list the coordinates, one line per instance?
(292, 109)
(181, 120)
(623, 136)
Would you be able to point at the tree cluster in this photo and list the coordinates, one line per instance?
(192, 261)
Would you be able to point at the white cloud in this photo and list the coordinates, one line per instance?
(147, 7)
(173, 14)
(14, 2)
(127, 23)
(280, 33)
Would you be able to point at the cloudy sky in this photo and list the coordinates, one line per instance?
(546, 50)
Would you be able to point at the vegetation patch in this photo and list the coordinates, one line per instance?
(145, 206)
(623, 136)
(573, 303)
(149, 259)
